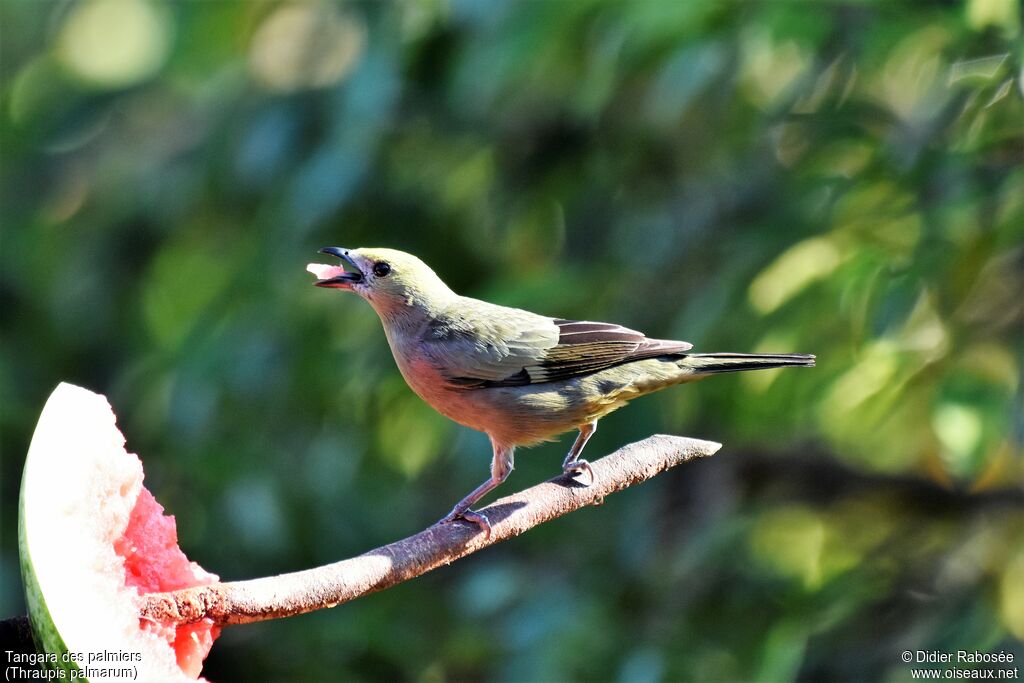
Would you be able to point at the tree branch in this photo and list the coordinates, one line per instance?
(240, 602)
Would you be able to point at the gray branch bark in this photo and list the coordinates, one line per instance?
(240, 602)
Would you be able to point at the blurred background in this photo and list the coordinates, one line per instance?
(837, 178)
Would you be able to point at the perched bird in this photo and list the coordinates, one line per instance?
(519, 377)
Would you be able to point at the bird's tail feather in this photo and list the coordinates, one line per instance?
(710, 363)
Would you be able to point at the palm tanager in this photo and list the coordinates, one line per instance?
(519, 377)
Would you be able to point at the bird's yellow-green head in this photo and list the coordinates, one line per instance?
(393, 282)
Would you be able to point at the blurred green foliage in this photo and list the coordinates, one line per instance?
(839, 178)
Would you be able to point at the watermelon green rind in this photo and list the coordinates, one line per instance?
(44, 633)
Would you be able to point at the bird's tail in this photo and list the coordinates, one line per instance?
(711, 363)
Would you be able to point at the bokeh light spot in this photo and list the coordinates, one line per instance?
(115, 43)
(1012, 589)
(797, 267)
(911, 80)
(1004, 14)
(870, 375)
(790, 541)
(769, 69)
(959, 428)
(304, 46)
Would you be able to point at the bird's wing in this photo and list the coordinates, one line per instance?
(505, 347)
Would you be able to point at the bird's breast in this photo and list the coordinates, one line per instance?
(430, 384)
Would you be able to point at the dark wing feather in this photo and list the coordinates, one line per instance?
(583, 348)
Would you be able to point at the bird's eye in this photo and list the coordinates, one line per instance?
(381, 268)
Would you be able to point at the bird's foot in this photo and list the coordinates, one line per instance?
(472, 517)
(579, 467)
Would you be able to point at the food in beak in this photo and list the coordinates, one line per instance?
(324, 271)
(334, 277)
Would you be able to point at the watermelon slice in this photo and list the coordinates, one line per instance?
(92, 539)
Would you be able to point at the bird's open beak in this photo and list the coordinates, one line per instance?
(336, 277)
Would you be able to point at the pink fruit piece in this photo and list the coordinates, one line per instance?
(324, 271)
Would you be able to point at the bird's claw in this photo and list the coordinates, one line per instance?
(579, 467)
(472, 517)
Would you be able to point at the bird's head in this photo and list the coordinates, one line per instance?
(393, 282)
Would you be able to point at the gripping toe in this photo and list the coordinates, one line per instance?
(579, 467)
(472, 517)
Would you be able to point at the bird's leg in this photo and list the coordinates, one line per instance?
(501, 467)
(573, 464)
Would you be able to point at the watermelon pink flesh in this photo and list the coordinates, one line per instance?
(153, 563)
(325, 272)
